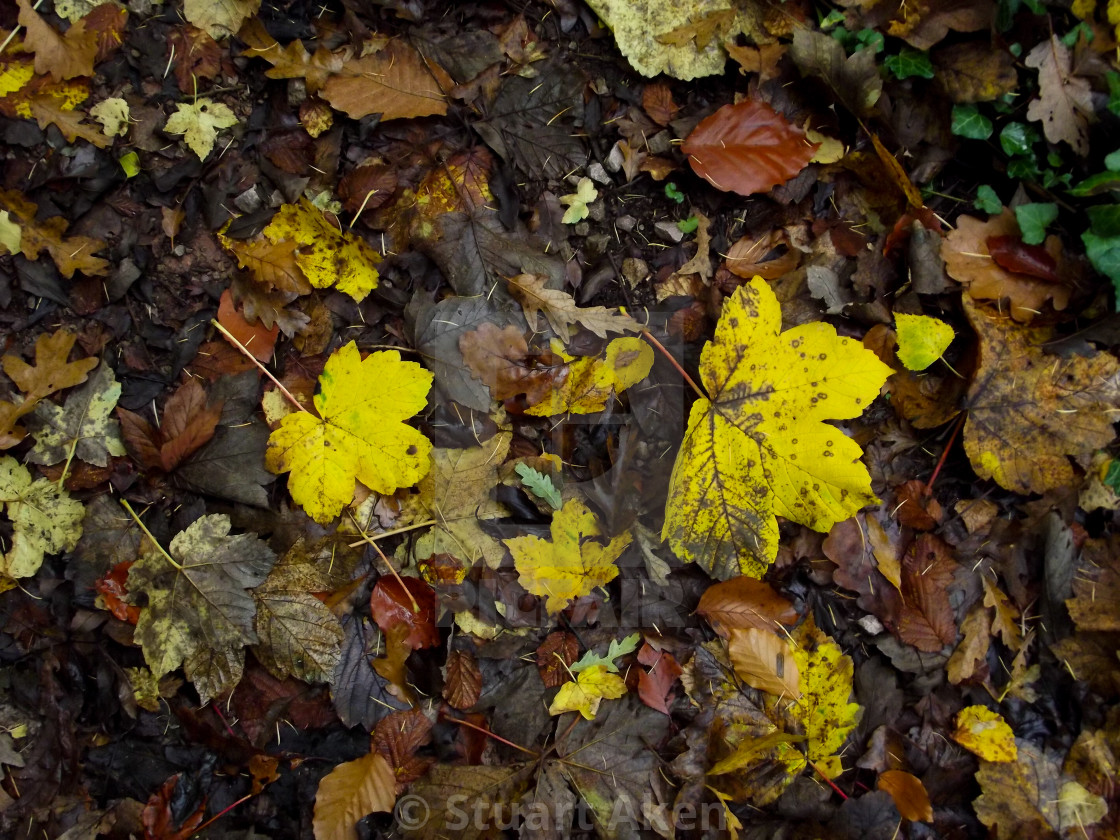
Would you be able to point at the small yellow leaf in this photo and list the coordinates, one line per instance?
(591, 381)
(587, 692)
(199, 123)
(113, 115)
(359, 435)
(577, 202)
(573, 563)
(986, 734)
(350, 792)
(921, 339)
(10, 233)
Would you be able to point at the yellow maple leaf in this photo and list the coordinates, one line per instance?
(921, 339)
(591, 380)
(326, 255)
(573, 563)
(758, 447)
(44, 520)
(587, 692)
(985, 734)
(359, 435)
(199, 122)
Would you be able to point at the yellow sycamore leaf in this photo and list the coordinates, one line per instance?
(921, 339)
(985, 734)
(758, 448)
(573, 563)
(199, 122)
(359, 435)
(587, 692)
(326, 255)
(43, 520)
(591, 380)
(577, 202)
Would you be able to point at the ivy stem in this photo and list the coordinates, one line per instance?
(648, 336)
(260, 367)
(148, 534)
(381, 554)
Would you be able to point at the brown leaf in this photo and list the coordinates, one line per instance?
(657, 102)
(1095, 604)
(350, 792)
(256, 338)
(50, 373)
(1006, 619)
(47, 111)
(923, 25)
(909, 795)
(263, 770)
(747, 148)
(1012, 253)
(555, 654)
(397, 737)
(926, 621)
(189, 421)
(391, 666)
(158, 820)
(768, 256)
(463, 682)
(975, 71)
(367, 187)
(917, 508)
(500, 358)
(71, 254)
(763, 660)
(561, 311)
(63, 55)
(863, 551)
(742, 603)
(395, 82)
(1029, 412)
(853, 79)
(973, 649)
(194, 55)
(763, 59)
(391, 607)
(968, 261)
(655, 686)
(273, 264)
(1065, 103)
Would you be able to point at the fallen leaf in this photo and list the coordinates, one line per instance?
(532, 291)
(158, 820)
(590, 381)
(985, 734)
(1095, 605)
(754, 451)
(199, 613)
(747, 148)
(909, 795)
(926, 620)
(1029, 412)
(390, 605)
(70, 253)
(975, 72)
(359, 435)
(751, 256)
(578, 201)
(501, 359)
(113, 115)
(554, 657)
(462, 684)
(199, 122)
(257, 339)
(396, 82)
(63, 55)
(617, 649)
(655, 686)
(657, 102)
(572, 563)
(397, 737)
(1065, 104)
(219, 18)
(921, 339)
(1005, 619)
(350, 792)
(112, 587)
(763, 660)
(854, 79)
(47, 111)
(82, 428)
(972, 652)
(44, 520)
(587, 692)
(189, 421)
(742, 603)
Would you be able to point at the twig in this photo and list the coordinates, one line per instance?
(377, 548)
(260, 367)
(648, 336)
(366, 538)
(490, 734)
(945, 454)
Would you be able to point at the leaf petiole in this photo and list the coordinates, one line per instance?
(148, 534)
(260, 367)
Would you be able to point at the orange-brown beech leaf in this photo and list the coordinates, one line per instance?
(391, 606)
(396, 82)
(926, 620)
(256, 338)
(655, 686)
(397, 737)
(501, 359)
(763, 660)
(463, 682)
(391, 666)
(63, 55)
(909, 795)
(194, 55)
(971, 653)
(747, 148)
(1029, 412)
(968, 261)
(71, 254)
(351, 792)
(554, 656)
(1095, 604)
(189, 422)
(1005, 621)
(741, 603)
(917, 508)
(657, 102)
(158, 820)
(768, 256)
(113, 589)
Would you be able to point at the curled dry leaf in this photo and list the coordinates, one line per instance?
(351, 791)
(763, 660)
(768, 256)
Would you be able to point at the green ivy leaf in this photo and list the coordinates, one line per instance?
(969, 122)
(1102, 242)
(909, 63)
(1017, 139)
(618, 648)
(987, 201)
(1034, 219)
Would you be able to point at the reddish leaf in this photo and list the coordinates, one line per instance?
(157, 819)
(743, 602)
(655, 686)
(747, 148)
(189, 421)
(463, 684)
(253, 337)
(397, 737)
(195, 56)
(917, 508)
(391, 606)
(657, 102)
(113, 589)
(1014, 254)
(926, 619)
(556, 653)
(392, 666)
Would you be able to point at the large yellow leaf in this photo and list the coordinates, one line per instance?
(758, 448)
(359, 434)
(573, 563)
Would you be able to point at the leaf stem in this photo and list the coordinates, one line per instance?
(648, 336)
(377, 548)
(148, 534)
(827, 780)
(260, 367)
(945, 454)
(490, 734)
(366, 538)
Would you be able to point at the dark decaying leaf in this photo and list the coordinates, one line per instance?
(927, 621)
(463, 681)
(361, 695)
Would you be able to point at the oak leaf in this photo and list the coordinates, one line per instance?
(1065, 103)
(83, 428)
(199, 613)
(272, 264)
(747, 148)
(532, 291)
(62, 55)
(359, 435)
(758, 447)
(351, 791)
(70, 253)
(44, 520)
(219, 18)
(199, 122)
(586, 693)
(1029, 412)
(972, 652)
(572, 563)
(47, 111)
